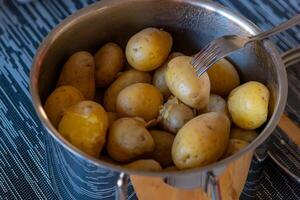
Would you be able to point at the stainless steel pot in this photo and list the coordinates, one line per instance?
(193, 23)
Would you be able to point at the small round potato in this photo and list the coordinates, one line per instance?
(59, 100)
(248, 105)
(139, 100)
(201, 141)
(84, 125)
(241, 134)
(109, 60)
(174, 115)
(234, 146)
(163, 144)
(79, 72)
(159, 76)
(125, 79)
(128, 139)
(216, 104)
(223, 77)
(144, 165)
(183, 82)
(148, 49)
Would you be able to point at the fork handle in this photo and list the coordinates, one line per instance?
(281, 27)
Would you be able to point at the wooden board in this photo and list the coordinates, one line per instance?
(232, 180)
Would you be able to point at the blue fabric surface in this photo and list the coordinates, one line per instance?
(22, 151)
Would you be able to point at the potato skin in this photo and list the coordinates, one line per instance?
(125, 79)
(241, 134)
(201, 141)
(183, 82)
(139, 100)
(216, 104)
(109, 60)
(159, 76)
(170, 169)
(234, 146)
(128, 139)
(59, 100)
(79, 72)
(84, 125)
(148, 49)
(144, 165)
(174, 115)
(163, 144)
(248, 105)
(223, 77)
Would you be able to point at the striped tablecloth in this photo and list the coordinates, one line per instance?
(22, 151)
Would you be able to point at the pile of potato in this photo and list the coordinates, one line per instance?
(147, 110)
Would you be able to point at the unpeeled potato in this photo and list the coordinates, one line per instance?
(139, 100)
(148, 49)
(170, 169)
(125, 79)
(109, 60)
(234, 146)
(201, 141)
(128, 139)
(163, 144)
(246, 135)
(159, 76)
(223, 77)
(79, 72)
(248, 105)
(84, 125)
(59, 100)
(183, 82)
(216, 104)
(174, 114)
(144, 165)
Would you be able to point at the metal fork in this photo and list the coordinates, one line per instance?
(223, 46)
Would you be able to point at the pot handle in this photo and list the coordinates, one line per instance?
(291, 56)
(122, 187)
(212, 184)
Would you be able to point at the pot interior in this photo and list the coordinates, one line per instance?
(191, 23)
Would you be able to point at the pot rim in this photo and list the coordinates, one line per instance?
(101, 6)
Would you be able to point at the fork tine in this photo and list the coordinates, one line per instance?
(208, 65)
(211, 59)
(203, 64)
(206, 55)
(206, 59)
(199, 56)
